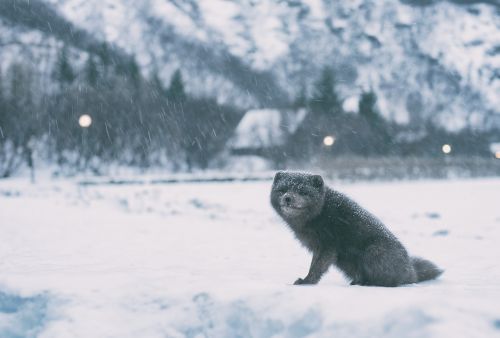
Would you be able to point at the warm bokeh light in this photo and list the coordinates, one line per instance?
(497, 155)
(446, 148)
(329, 141)
(85, 121)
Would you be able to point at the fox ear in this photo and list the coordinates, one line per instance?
(279, 175)
(317, 181)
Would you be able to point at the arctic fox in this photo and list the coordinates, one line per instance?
(339, 232)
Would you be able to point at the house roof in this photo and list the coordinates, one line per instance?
(495, 147)
(262, 128)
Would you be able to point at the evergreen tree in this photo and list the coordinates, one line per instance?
(379, 129)
(324, 118)
(21, 91)
(366, 106)
(20, 122)
(105, 60)
(325, 100)
(104, 54)
(176, 92)
(64, 73)
(133, 72)
(156, 86)
(130, 70)
(91, 72)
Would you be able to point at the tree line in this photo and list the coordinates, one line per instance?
(366, 132)
(136, 121)
(140, 122)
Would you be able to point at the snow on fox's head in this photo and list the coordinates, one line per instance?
(297, 196)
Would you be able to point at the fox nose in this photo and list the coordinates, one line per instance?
(287, 199)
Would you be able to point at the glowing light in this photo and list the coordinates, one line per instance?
(85, 121)
(497, 155)
(329, 141)
(446, 148)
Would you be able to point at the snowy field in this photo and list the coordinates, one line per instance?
(213, 260)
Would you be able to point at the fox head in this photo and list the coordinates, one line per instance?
(297, 197)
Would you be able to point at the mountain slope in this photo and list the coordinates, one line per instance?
(245, 85)
(426, 60)
(37, 16)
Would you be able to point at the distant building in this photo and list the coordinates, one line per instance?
(351, 104)
(265, 132)
(495, 149)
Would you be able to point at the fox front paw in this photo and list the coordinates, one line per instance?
(302, 281)
(299, 281)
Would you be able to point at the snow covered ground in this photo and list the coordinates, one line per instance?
(213, 260)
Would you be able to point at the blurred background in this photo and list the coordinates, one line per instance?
(357, 89)
(104, 103)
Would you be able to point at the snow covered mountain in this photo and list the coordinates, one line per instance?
(437, 60)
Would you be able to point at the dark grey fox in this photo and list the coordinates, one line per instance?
(339, 232)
